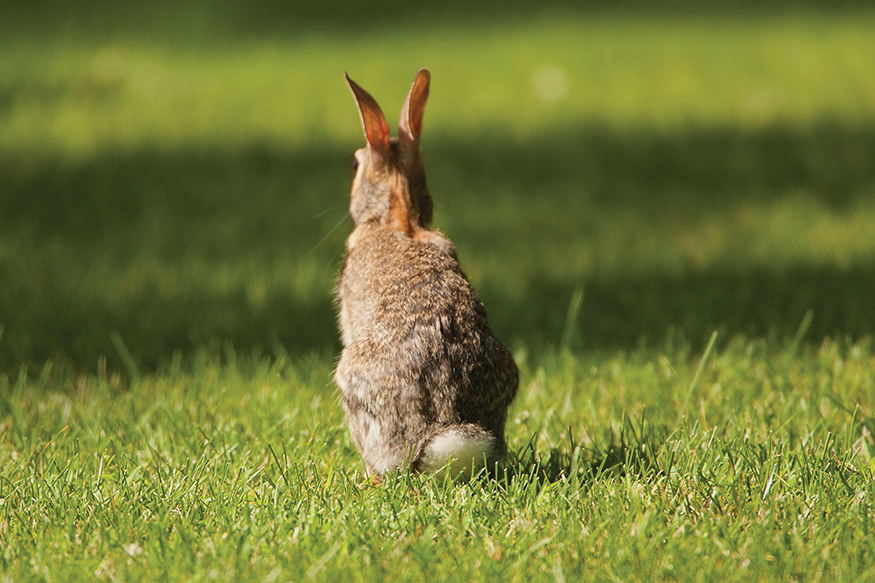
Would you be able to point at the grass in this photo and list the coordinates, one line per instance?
(636, 158)
(621, 182)
(78, 95)
(241, 468)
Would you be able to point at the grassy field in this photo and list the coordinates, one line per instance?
(756, 465)
(669, 212)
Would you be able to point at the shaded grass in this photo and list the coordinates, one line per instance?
(199, 19)
(682, 174)
(684, 231)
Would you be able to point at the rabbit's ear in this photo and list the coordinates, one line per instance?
(414, 106)
(373, 121)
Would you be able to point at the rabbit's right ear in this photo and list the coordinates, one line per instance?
(414, 106)
(373, 121)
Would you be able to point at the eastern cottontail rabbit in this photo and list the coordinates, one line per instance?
(423, 379)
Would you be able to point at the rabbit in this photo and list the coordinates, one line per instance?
(424, 382)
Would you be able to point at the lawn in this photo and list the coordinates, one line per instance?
(668, 211)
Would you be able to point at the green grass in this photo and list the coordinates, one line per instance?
(77, 95)
(243, 469)
(694, 172)
(621, 182)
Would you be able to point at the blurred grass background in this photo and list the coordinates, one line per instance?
(175, 172)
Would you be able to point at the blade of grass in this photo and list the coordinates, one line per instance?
(797, 340)
(571, 319)
(695, 381)
(125, 355)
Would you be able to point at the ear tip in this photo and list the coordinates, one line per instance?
(350, 83)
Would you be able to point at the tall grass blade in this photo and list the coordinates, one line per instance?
(125, 355)
(570, 327)
(797, 340)
(697, 375)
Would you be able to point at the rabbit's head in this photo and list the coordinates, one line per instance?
(389, 187)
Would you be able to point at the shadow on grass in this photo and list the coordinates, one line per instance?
(198, 20)
(621, 313)
(632, 450)
(259, 214)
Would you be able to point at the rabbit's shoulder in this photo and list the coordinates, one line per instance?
(394, 283)
(386, 258)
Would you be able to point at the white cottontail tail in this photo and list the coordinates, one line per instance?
(424, 381)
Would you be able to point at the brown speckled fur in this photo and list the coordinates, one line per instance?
(419, 356)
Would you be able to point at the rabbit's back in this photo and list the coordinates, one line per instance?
(393, 283)
(418, 349)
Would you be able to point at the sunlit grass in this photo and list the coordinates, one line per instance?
(74, 96)
(243, 469)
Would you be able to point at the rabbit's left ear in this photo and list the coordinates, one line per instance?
(373, 120)
(414, 106)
